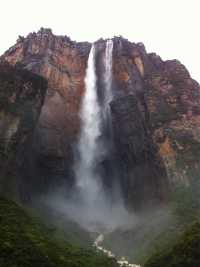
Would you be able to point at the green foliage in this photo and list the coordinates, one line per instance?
(25, 242)
(186, 202)
(62, 228)
(184, 248)
(185, 253)
(159, 230)
(154, 231)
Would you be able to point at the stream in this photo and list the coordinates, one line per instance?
(122, 261)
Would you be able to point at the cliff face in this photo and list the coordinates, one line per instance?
(63, 63)
(173, 104)
(155, 113)
(167, 106)
(21, 97)
(142, 173)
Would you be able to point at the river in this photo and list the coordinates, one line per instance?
(123, 262)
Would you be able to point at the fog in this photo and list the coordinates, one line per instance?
(101, 216)
(89, 203)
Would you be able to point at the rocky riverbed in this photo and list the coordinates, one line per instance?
(123, 262)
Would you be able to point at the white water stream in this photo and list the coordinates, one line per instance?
(94, 205)
(88, 146)
(108, 72)
(122, 262)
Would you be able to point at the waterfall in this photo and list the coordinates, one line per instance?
(108, 96)
(108, 72)
(89, 204)
(89, 146)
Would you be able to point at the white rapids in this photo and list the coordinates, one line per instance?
(122, 262)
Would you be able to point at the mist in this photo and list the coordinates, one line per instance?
(102, 216)
(90, 203)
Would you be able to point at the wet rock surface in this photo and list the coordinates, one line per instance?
(62, 62)
(155, 115)
(139, 165)
(21, 98)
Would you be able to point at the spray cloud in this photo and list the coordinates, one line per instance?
(89, 205)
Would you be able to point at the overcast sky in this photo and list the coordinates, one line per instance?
(168, 27)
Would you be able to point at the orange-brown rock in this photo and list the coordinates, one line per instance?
(157, 143)
(63, 63)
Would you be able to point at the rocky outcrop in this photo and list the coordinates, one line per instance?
(62, 62)
(173, 102)
(165, 114)
(155, 114)
(21, 98)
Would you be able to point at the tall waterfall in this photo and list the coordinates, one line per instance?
(88, 147)
(108, 72)
(89, 204)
